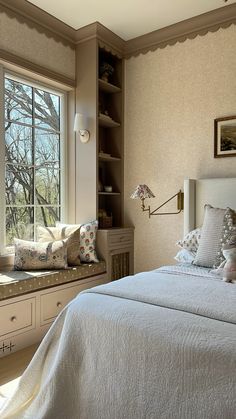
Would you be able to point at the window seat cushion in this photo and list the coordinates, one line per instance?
(15, 283)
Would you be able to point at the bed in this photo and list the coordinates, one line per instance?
(157, 345)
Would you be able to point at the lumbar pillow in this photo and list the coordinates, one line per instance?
(61, 232)
(31, 255)
(88, 234)
(216, 230)
(190, 242)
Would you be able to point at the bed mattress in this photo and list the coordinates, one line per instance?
(158, 344)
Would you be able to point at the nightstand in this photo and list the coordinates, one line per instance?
(116, 247)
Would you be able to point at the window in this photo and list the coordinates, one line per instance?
(33, 158)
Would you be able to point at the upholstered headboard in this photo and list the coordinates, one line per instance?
(219, 192)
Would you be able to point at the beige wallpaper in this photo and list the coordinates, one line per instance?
(172, 97)
(27, 43)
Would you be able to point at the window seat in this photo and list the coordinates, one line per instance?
(16, 283)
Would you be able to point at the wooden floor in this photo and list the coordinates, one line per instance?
(13, 366)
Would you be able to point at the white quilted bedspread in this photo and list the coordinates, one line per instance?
(158, 345)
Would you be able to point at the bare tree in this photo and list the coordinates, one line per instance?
(32, 155)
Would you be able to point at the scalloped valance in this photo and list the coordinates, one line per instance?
(32, 16)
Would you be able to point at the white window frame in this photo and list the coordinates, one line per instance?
(63, 148)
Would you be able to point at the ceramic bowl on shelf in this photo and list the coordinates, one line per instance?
(108, 188)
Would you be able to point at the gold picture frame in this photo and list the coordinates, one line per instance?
(225, 137)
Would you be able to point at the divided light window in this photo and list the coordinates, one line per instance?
(32, 159)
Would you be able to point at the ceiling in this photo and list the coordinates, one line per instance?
(127, 18)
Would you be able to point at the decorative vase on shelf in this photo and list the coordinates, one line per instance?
(106, 71)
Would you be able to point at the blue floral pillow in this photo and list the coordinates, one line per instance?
(31, 255)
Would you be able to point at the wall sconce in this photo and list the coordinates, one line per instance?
(80, 126)
(142, 192)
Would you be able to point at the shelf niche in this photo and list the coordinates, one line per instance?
(110, 136)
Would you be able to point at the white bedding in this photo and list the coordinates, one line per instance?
(160, 344)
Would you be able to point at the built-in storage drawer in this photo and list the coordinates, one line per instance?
(51, 303)
(120, 239)
(17, 317)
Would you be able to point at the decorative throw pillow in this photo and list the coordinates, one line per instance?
(31, 255)
(88, 234)
(190, 242)
(184, 256)
(72, 233)
(216, 231)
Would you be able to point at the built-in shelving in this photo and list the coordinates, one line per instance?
(103, 157)
(106, 121)
(108, 193)
(104, 86)
(110, 137)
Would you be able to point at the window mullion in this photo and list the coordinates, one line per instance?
(33, 158)
(2, 165)
(41, 156)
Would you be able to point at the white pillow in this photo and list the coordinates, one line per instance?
(88, 234)
(46, 234)
(184, 256)
(216, 229)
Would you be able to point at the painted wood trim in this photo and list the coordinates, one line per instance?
(36, 68)
(107, 39)
(52, 27)
(179, 32)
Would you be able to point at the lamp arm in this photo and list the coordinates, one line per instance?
(143, 206)
(180, 195)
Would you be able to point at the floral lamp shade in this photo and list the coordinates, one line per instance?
(142, 192)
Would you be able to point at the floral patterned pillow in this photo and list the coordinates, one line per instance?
(31, 255)
(88, 234)
(191, 241)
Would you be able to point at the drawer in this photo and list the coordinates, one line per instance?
(52, 303)
(17, 317)
(120, 239)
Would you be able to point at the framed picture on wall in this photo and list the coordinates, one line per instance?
(225, 137)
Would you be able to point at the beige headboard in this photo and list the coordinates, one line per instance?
(219, 192)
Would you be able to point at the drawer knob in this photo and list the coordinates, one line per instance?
(59, 304)
(13, 318)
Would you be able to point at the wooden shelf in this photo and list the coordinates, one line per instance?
(110, 149)
(108, 193)
(108, 158)
(108, 87)
(105, 121)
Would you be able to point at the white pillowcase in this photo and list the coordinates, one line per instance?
(184, 256)
(46, 234)
(88, 234)
(216, 228)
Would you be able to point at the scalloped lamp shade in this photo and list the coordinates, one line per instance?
(142, 192)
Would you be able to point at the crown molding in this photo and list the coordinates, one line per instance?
(34, 17)
(179, 32)
(107, 39)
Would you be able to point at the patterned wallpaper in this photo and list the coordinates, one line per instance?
(172, 97)
(27, 43)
